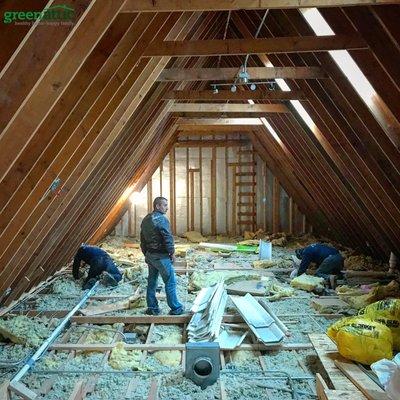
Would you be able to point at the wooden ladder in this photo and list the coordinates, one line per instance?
(245, 182)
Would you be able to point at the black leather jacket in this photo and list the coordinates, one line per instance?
(155, 234)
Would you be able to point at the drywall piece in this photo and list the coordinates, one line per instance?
(230, 339)
(254, 287)
(281, 325)
(218, 246)
(201, 301)
(258, 319)
(329, 306)
(208, 309)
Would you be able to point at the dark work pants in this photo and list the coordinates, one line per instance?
(332, 265)
(101, 265)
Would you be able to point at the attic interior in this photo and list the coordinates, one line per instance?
(269, 126)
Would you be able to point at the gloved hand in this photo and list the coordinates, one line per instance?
(294, 273)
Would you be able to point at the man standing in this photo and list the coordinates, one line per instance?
(99, 262)
(157, 244)
(328, 260)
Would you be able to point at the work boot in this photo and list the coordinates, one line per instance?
(89, 283)
(109, 280)
(152, 311)
(179, 311)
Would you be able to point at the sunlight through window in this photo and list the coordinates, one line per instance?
(342, 58)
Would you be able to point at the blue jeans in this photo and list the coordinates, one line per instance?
(332, 265)
(101, 265)
(161, 264)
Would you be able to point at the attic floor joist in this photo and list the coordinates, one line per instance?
(56, 373)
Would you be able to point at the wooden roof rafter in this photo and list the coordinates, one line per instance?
(221, 5)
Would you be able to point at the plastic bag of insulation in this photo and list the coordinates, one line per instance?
(388, 373)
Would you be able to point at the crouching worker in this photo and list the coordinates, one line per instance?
(157, 244)
(328, 260)
(99, 262)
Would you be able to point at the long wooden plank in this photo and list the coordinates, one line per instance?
(352, 159)
(227, 108)
(183, 122)
(143, 85)
(229, 74)
(207, 129)
(86, 33)
(258, 94)
(35, 52)
(11, 35)
(83, 201)
(136, 86)
(210, 143)
(167, 347)
(151, 168)
(327, 353)
(220, 5)
(335, 222)
(78, 392)
(360, 379)
(296, 44)
(23, 391)
(69, 110)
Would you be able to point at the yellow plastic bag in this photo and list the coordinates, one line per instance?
(386, 312)
(362, 340)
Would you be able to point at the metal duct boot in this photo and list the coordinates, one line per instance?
(202, 363)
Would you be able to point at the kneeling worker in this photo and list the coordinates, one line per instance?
(99, 262)
(328, 260)
(157, 244)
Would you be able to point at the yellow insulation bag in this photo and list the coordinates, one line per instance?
(362, 340)
(386, 312)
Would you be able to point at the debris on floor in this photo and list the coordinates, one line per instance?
(308, 282)
(194, 237)
(245, 374)
(125, 359)
(25, 330)
(208, 309)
